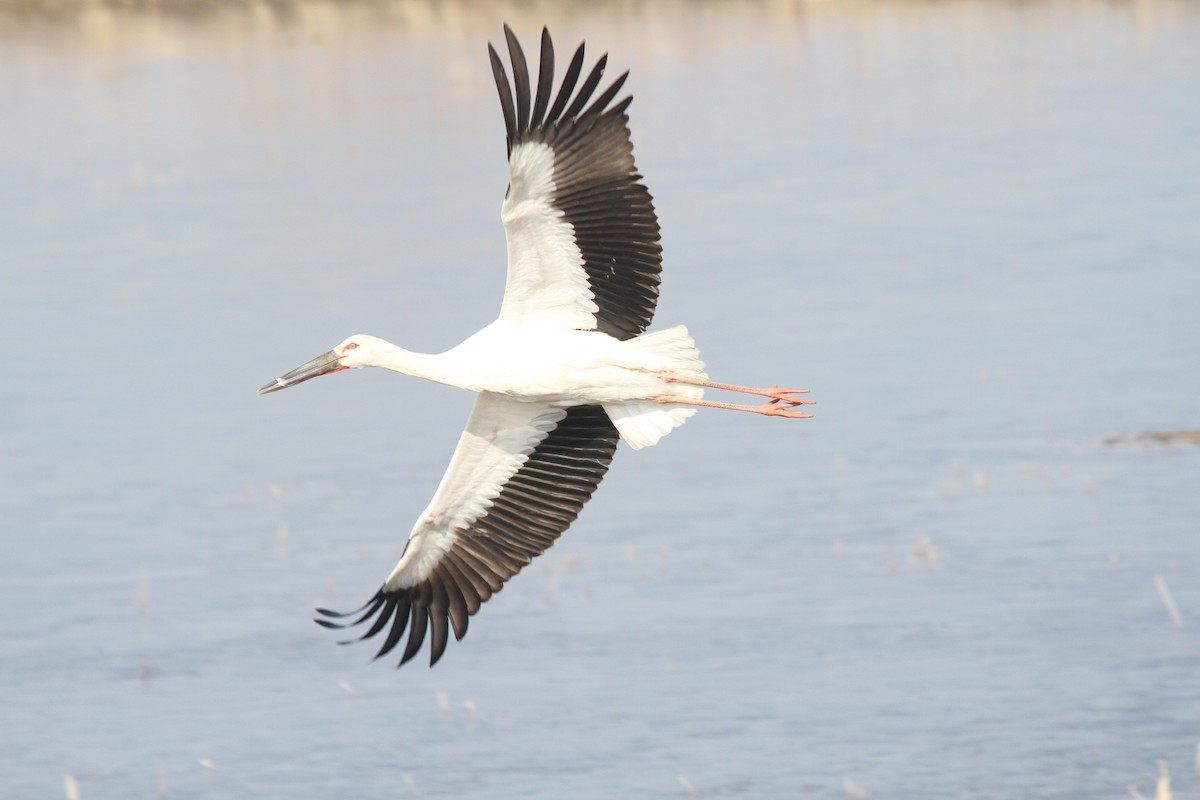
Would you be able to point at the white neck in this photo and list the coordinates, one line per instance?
(419, 365)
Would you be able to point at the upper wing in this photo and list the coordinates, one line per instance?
(520, 476)
(583, 240)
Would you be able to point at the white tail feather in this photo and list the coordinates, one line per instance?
(670, 350)
(642, 423)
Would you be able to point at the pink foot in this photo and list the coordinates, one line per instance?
(788, 395)
(782, 407)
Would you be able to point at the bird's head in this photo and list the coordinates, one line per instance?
(357, 351)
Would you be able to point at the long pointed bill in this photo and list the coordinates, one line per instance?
(320, 365)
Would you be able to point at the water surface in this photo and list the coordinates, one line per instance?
(968, 228)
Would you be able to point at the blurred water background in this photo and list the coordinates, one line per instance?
(969, 227)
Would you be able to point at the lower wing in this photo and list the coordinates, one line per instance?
(519, 477)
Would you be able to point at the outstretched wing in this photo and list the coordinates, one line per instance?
(583, 240)
(520, 476)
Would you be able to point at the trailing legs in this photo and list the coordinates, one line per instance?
(780, 404)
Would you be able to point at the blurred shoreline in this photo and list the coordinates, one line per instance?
(130, 30)
(455, 16)
(171, 28)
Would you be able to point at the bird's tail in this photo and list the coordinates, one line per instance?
(642, 423)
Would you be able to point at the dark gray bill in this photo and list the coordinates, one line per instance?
(318, 366)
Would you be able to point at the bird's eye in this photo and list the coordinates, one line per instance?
(350, 346)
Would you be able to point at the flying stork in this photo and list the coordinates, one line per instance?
(564, 371)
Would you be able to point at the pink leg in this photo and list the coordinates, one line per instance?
(774, 392)
(780, 404)
(779, 407)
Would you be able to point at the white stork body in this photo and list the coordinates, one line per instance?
(541, 364)
(563, 370)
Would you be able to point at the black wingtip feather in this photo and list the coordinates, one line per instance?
(606, 97)
(438, 623)
(324, 623)
(506, 98)
(416, 636)
(325, 612)
(399, 615)
(567, 87)
(589, 86)
(388, 611)
(545, 79)
(520, 78)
